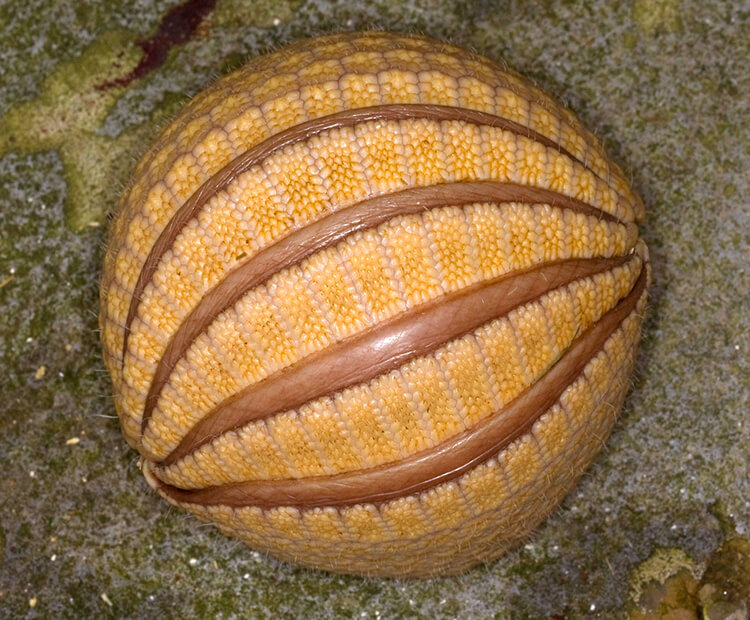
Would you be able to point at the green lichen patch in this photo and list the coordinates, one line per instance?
(97, 166)
(665, 582)
(675, 598)
(654, 16)
(74, 101)
(91, 162)
(671, 584)
(74, 98)
(67, 117)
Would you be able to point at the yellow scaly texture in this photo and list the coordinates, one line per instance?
(343, 290)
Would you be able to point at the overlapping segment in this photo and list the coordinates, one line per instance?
(225, 113)
(224, 105)
(351, 71)
(488, 507)
(413, 392)
(452, 458)
(176, 290)
(412, 260)
(306, 188)
(531, 160)
(325, 232)
(370, 301)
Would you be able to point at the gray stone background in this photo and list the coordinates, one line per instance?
(665, 85)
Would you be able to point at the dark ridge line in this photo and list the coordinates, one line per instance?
(390, 344)
(293, 135)
(429, 468)
(326, 232)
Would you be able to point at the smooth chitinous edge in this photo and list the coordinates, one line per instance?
(329, 230)
(253, 156)
(389, 344)
(429, 468)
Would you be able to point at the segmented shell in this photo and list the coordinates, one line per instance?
(371, 305)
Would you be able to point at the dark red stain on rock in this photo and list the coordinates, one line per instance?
(175, 28)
